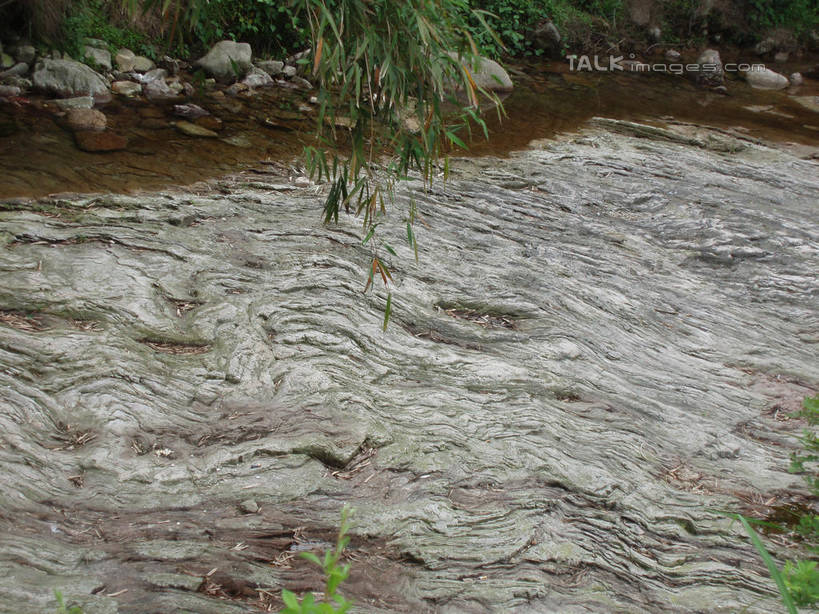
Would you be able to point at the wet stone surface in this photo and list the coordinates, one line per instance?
(586, 363)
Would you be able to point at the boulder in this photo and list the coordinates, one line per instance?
(80, 102)
(67, 78)
(194, 130)
(99, 58)
(86, 119)
(546, 37)
(766, 79)
(796, 79)
(158, 90)
(489, 75)
(125, 59)
(765, 46)
(25, 54)
(9, 91)
(189, 111)
(100, 141)
(6, 61)
(126, 88)
(710, 72)
(257, 78)
(18, 70)
(290, 71)
(227, 60)
(143, 64)
(274, 68)
(153, 75)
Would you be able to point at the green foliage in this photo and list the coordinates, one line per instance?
(801, 16)
(61, 607)
(802, 580)
(334, 573)
(806, 462)
(90, 20)
(385, 70)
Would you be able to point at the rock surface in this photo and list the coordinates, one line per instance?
(86, 119)
(100, 141)
(194, 130)
(258, 78)
(126, 88)
(587, 367)
(711, 72)
(67, 78)
(100, 58)
(227, 60)
(489, 75)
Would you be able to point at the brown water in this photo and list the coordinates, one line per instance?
(38, 157)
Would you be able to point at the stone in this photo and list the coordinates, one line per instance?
(301, 83)
(546, 37)
(710, 72)
(66, 78)
(781, 57)
(158, 89)
(765, 46)
(189, 111)
(126, 88)
(100, 141)
(673, 56)
(809, 102)
(15, 81)
(272, 67)
(95, 42)
(18, 70)
(25, 54)
(766, 79)
(154, 74)
(143, 64)
(227, 60)
(210, 122)
(9, 91)
(236, 89)
(290, 71)
(6, 61)
(190, 129)
(796, 79)
(249, 506)
(257, 78)
(80, 102)
(99, 58)
(489, 75)
(125, 59)
(655, 33)
(86, 119)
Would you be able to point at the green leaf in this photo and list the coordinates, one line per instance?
(311, 557)
(770, 564)
(387, 311)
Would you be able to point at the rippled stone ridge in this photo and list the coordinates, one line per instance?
(588, 362)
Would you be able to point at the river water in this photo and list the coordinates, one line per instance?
(595, 355)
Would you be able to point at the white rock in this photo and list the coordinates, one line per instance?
(766, 79)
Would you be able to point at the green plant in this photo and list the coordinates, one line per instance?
(90, 19)
(806, 462)
(61, 607)
(385, 70)
(802, 580)
(334, 602)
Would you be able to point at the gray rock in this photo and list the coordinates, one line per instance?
(25, 54)
(96, 42)
(781, 57)
(6, 61)
(257, 78)
(673, 56)
(15, 81)
(710, 71)
(126, 88)
(490, 76)
(236, 89)
(158, 90)
(274, 68)
(100, 58)
(189, 111)
(143, 64)
(67, 78)
(18, 70)
(765, 46)
(766, 79)
(227, 60)
(80, 102)
(86, 119)
(290, 71)
(249, 506)
(301, 83)
(125, 59)
(153, 75)
(546, 37)
(7, 91)
(796, 79)
(809, 102)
